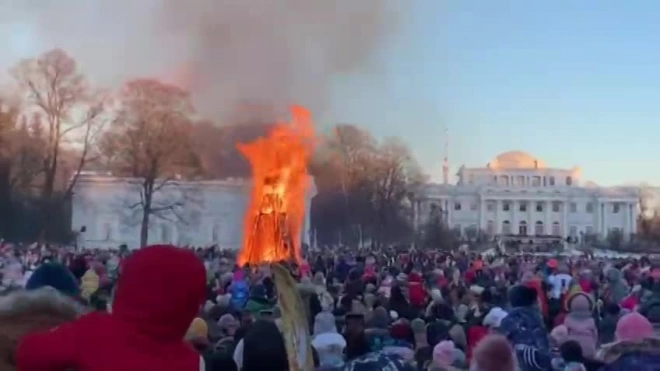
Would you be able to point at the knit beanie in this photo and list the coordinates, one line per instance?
(56, 276)
(522, 296)
(443, 354)
(633, 327)
(198, 329)
(494, 353)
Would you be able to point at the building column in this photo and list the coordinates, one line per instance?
(498, 227)
(547, 224)
(564, 219)
(626, 220)
(605, 226)
(531, 224)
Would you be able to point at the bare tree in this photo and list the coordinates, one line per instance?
(150, 143)
(59, 93)
(364, 188)
(394, 175)
(340, 168)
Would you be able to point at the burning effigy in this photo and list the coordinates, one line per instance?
(274, 220)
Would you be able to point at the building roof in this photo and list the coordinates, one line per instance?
(516, 160)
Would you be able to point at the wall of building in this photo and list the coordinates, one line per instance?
(562, 211)
(207, 212)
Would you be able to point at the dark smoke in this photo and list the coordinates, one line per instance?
(274, 52)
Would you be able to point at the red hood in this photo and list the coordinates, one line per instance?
(415, 277)
(160, 291)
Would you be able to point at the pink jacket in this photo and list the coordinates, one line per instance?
(584, 331)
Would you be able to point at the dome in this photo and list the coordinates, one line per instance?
(516, 160)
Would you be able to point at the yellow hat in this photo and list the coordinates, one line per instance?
(198, 329)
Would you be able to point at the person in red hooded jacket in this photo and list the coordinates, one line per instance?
(416, 290)
(159, 293)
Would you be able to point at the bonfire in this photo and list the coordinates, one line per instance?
(274, 220)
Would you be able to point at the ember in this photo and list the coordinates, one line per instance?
(274, 219)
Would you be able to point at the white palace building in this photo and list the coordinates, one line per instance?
(516, 194)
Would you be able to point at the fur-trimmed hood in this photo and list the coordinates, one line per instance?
(610, 353)
(22, 312)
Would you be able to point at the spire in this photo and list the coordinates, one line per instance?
(445, 161)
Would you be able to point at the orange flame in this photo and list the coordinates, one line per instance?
(276, 213)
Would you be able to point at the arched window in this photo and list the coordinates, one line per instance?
(506, 227)
(522, 228)
(556, 230)
(538, 228)
(490, 227)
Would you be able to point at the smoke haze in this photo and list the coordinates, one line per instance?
(273, 52)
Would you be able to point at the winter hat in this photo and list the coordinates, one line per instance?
(324, 322)
(633, 327)
(379, 318)
(228, 321)
(370, 300)
(444, 354)
(329, 340)
(223, 300)
(56, 276)
(522, 296)
(436, 295)
(402, 331)
(198, 329)
(494, 353)
(494, 317)
(208, 306)
(579, 302)
(418, 326)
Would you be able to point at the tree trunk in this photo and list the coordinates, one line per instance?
(147, 192)
(144, 228)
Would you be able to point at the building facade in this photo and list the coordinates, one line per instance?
(200, 213)
(516, 194)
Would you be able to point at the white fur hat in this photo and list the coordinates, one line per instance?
(494, 317)
(436, 295)
(475, 289)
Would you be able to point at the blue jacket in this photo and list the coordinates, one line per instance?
(525, 330)
(240, 293)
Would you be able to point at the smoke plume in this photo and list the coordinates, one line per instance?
(272, 52)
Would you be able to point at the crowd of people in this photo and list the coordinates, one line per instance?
(168, 308)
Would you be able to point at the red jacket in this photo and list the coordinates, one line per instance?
(474, 336)
(416, 290)
(158, 295)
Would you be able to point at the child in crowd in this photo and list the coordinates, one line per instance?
(571, 355)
